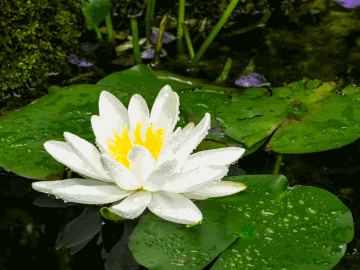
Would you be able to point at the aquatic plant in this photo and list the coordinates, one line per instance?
(35, 37)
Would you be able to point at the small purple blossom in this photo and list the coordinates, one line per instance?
(75, 60)
(150, 53)
(168, 37)
(251, 79)
(348, 3)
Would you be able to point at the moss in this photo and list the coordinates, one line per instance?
(35, 37)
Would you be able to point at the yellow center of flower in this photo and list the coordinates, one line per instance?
(153, 142)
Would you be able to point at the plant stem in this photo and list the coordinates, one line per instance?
(278, 164)
(180, 31)
(214, 32)
(188, 41)
(149, 17)
(98, 33)
(109, 28)
(160, 38)
(135, 40)
(250, 67)
(225, 73)
(260, 23)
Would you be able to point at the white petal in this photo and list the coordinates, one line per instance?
(101, 129)
(192, 140)
(194, 179)
(133, 205)
(64, 154)
(113, 111)
(119, 173)
(166, 153)
(142, 163)
(224, 188)
(174, 207)
(103, 147)
(159, 176)
(165, 110)
(138, 110)
(87, 152)
(180, 135)
(219, 157)
(171, 135)
(82, 190)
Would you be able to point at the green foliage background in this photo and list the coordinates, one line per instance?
(27, 29)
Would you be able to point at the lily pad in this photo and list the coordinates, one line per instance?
(24, 132)
(266, 226)
(303, 118)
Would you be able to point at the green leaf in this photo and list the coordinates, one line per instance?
(266, 225)
(24, 132)
(95, 12)
(302, 118)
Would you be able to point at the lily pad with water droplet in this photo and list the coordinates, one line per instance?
(24, 132)
(267, 225)
(301, 117)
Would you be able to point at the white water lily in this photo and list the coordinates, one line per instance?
(142, 160)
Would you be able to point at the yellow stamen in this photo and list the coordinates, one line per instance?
(122, 145)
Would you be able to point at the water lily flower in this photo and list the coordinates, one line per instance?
(142, 162)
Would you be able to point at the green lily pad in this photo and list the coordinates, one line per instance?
(266, 226)
(303, 118)
(24, 132)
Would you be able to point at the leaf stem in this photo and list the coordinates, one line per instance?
(160, 37)
(214, 32)
(149, 17)
(278, 164)
(109, 28)
(188, 41)
(180, 30)
(98, 34)
(135, 40)
(225, 73)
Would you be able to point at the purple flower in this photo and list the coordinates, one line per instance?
(150, 53)
(251, 79)
(75, 60)
(168, 37)
(348, 3)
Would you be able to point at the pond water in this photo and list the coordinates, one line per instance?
(30, 232)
